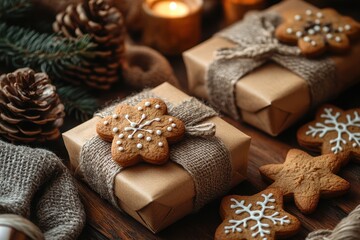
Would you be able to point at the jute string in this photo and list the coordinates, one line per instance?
(22, 225)
(200, 153)
(256, 45)
(347, 229)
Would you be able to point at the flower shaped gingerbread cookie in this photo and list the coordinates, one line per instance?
(141, 132)
(317, 31)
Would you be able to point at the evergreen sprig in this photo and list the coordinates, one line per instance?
(50, 53)
(78, 102)
(12, 9)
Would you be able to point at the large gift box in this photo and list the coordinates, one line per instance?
(271, 97)
(157, 196)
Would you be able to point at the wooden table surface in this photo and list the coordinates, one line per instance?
(105, 222)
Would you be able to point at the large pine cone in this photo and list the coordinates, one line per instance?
(105, 25)
(30, 109)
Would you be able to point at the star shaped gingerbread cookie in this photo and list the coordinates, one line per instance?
(333, 131)
(318, 31)
(260, 216)
(306, 178)
(140, 132)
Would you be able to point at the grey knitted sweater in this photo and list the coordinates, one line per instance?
(35, 184)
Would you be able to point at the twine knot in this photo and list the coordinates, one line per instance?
(201, 130)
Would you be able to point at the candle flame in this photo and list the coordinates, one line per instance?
(172, 6)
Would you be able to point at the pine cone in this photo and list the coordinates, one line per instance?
(105, 25)
(30, 109)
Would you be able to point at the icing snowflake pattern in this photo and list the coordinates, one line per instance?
(332, 124)
(260, 228)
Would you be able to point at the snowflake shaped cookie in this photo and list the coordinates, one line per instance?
(334, 131)
(141, 132)
(306, 178)
(317, 31)
(255, 217)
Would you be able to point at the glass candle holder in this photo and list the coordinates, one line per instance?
(172, 26)
(235, 10)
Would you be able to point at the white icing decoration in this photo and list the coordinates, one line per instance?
(173, 125)
(299, 34)
(118, 142)
(259, 228)
(120, 149)
(308, 12)
(130, 136)
(147, 104)
(326, 29)
(139, 126)
(319, 14)
(140, 108)
(289, 31)
(106, 123)
(311, 31)
(148, 139)
(317, 21)
(121, 135)
(329, 36)
(157, 106)
(139, 146)
(307, 39)
(115, 116)
(338, 39)
(170, 120)
(347, 27)
(332, 124)
(115, 129)
(313, 43)
(160, 144)
(140, 135)
(317, 28)
(169, 129)
(297, 17)
(158, 132)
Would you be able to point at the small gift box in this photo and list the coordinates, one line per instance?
(157, 196)
(263, 82)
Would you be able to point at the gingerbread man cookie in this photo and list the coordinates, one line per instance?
(317, 31)
(141, 132)
(333, 131)
(255, 217)
(306, 178)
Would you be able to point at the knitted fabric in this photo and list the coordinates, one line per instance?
(36, 185)
(205, 158)
(145, 67)
(347, 229)
(257, 45)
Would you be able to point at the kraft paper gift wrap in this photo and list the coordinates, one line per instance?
(157, 196)
(271, 97)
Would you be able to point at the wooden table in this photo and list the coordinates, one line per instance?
(105, 222)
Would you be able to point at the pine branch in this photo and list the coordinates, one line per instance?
(77, 101)
(12, 9)
(49, 53)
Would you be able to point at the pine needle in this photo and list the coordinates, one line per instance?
(77, 100)
(12, 9)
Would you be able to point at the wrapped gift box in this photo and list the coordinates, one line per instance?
(158, 196)
(270, 98)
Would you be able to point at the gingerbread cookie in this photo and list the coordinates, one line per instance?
(317, 31)
(255, 217)
(306, 178)
(141, 132)
(333, 131)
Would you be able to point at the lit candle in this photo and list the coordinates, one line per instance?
(172, 26)
(171, 9)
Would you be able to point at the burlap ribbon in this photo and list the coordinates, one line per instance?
(257, 45)
(205, 158)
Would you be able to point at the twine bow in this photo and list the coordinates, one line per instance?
(256, 45)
